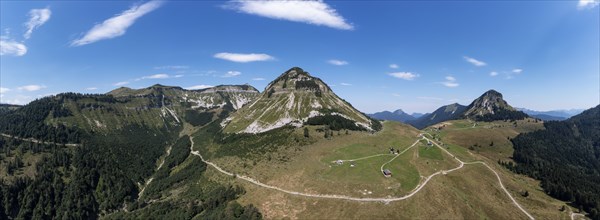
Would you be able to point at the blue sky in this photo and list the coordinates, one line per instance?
(378, 55)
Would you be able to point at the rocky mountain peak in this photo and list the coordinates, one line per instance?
(296, 79)
(294, 98)
(488, 103)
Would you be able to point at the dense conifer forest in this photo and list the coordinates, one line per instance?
(565, 156)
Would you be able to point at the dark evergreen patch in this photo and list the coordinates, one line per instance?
(198, 118)
(334, 122)
(566, 158)
(502, 114)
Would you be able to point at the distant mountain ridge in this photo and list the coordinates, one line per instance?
(489, 106)
(554, 115)
(154, 107)
(444, 113)
(397, 115)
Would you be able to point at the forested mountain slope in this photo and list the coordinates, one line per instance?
(79, 156)
(566, 158)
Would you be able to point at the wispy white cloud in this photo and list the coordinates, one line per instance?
(160, 76)
(311, 12)
(231, 74)
(31, 88)
(244, 58)
(587, 4)
(4, 90)
(450, 82)
(345, 84)
(394, 66)
(338, 62)
(474, 61)
(198, 87)
(91, 88)
(517, 71)
(396, 95)
(258, 79)
(175, 67)
(37, 17)
(11, 47)
(493, 73)
(404, 75)
(116, 26)
(121, 83)
(156, 76)
(511, 74)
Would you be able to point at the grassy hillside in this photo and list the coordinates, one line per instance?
(490, 139)
(310, 167)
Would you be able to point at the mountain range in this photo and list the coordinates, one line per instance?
(397, 115)
(488, 107)
(130, 153)
(444, 113)
(554, 115)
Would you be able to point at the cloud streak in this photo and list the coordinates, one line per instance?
(156, 76)
(116, 26)
(338, 62)
(450, 82)
(31, 88)
(232, 74)
(310, 12)
(587, 4)
(11, 48)
(244, 57)
(37, 17)
(121, 83)
(394, 66)
(474, 61)
(404, 75)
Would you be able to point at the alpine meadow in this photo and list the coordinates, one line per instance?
(300, 109)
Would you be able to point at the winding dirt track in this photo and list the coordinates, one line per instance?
(349, 198)
(32, 140)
